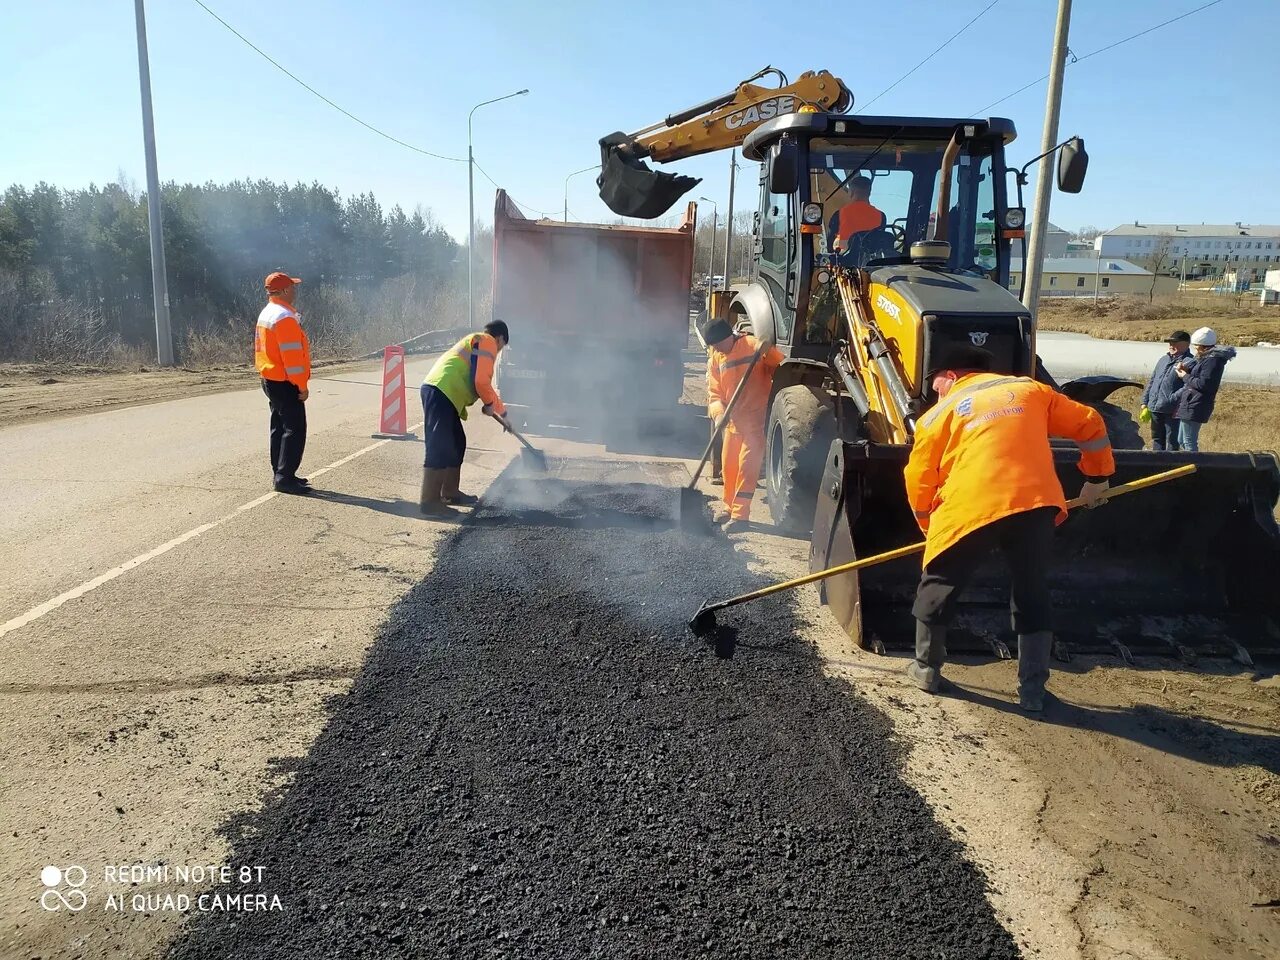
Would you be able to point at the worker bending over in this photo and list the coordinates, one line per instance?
(458, 379)
(743, 445)
(981, 475)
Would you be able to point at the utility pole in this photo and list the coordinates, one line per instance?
(728, 220)
(155, 223)
(711, 261)
(1044, 181)
(1097, 276)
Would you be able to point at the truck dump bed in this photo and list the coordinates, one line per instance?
(598, 317)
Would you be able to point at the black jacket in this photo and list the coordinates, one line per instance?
(1200, 386)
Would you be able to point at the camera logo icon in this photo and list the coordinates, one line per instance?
(62, 888)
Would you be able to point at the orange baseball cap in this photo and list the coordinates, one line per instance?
(281, 281)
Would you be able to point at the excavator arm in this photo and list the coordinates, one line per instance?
(631, 189)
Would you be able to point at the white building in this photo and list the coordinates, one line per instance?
(1085, 277)
(1194, 250)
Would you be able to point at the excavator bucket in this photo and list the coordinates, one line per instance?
(1186, 569)
(629, 188)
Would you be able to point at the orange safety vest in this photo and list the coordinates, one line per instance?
(280, 348)
(726, 370)
(856, 217)
(982, 453)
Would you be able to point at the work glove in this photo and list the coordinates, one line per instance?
(1145, 415)
(1094, 494)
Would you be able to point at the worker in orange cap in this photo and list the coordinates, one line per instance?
(458, 379)
(743, 445)
(981, 476)
(283, 358)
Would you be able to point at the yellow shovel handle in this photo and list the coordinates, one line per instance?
(907, 551)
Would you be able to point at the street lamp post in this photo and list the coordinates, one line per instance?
(471, 208)
(566, 188)
(711, 264)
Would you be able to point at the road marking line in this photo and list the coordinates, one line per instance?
(35, 613)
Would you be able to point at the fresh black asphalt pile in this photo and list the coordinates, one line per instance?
(539, 760)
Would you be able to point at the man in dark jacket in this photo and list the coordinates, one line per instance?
(1201, 378)
(1159, 399)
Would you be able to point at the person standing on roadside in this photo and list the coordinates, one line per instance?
(1201, 377)
(1160, 398)
(283, 358)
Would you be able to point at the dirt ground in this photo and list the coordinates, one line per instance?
(30, 392)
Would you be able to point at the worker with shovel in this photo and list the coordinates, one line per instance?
(731, 358)
(981, 476)
(462, 375)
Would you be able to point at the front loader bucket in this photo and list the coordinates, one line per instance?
(1186, 569)
(629, 188)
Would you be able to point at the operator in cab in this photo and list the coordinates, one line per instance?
(742, 452)
(462, 375)
(858, 216)
(980, 477)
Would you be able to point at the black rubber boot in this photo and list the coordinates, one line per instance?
(1033, 669)
(925, 671)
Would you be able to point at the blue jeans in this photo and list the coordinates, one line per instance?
(1164, 432)
(1189, 435)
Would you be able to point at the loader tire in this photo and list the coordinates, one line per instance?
(1122, 429)
(799, 434)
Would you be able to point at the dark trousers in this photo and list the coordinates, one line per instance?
(1164, 432)
(1026, 540)
(446, 441)
(288, 428)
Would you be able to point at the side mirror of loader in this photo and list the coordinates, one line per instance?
(784, 167)
(1073, 163)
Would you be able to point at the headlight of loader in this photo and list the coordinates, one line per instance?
(812, 213)
(1014, 218)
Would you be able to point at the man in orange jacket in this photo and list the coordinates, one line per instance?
(283, 358)
(981, 475)
(742, 450)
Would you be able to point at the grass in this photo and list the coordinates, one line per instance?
(1244, 419)
(1238, 319)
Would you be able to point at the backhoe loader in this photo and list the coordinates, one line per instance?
(1192, 569)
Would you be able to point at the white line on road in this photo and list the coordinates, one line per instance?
(35, 613)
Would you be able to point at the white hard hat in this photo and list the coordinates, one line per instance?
(1204, 337)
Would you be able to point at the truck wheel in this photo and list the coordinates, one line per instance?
(799, 435)
(1122, 429)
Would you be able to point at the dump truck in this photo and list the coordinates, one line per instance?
(599, 315)
(1189, 570)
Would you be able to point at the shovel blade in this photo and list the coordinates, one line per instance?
(630, 189)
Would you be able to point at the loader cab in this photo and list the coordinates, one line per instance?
(841, 191)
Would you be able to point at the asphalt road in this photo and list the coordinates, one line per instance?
(1069, 355)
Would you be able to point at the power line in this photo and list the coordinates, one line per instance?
(928, 58)
(522, 206)
(1110, 46)
(306, 86)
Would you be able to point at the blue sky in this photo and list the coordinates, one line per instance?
(1149, 110)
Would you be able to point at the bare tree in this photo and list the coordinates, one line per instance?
(1086, 233)
(1158, 261)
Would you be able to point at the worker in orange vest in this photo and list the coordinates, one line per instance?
(283, 358)
(981, 475)
(858, 216)
(742, 449)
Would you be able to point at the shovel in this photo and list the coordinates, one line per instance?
(531, 456)
(703, 622)
(691, 501)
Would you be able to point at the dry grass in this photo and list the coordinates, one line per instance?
(1244, 419)
(1238, 319)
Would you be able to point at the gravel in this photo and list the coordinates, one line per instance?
(539, 760)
